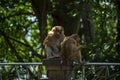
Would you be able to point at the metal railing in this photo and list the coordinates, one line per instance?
(21, 71)
(36, 71)
(99, 71)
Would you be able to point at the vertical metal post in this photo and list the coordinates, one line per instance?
(39, 73)
(28, 73)
(83, 69)
(83, 72)
(17, 73)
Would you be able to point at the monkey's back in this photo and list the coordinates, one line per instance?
(67, 48)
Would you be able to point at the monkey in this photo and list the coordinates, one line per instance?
(71, 49)
(76, 37)
(78, 55)
(52, 42)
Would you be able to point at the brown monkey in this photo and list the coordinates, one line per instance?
(77, 38)
(52, 42)
(70, 48)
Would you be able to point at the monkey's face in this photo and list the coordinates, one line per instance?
(57, 34)
(58, 31)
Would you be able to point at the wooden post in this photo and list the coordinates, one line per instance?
(58, 69)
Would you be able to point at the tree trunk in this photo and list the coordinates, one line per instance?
(40, 8)
(118, 27)
(74, 24)
(88, 27)
(61, 17)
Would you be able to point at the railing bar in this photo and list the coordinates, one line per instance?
(20, 63)
(98, 64)
(101, 63)
(40, 63)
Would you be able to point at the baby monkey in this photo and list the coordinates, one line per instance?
(70, 48)
(53, 40)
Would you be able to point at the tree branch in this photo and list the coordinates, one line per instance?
(30, 47)
(27, 45)
(11, 46)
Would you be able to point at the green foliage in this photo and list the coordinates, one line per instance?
(19, 26)
(103, 48)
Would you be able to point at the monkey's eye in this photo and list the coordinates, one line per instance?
(60, 30)
(53, 30)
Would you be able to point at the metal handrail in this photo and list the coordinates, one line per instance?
(40, 63)
(76, 64)
(22, 63)
(102, 63)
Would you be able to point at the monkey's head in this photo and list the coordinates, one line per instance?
(76, 37)
(58, 29)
